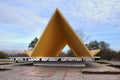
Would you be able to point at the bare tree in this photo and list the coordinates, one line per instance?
(82, 35)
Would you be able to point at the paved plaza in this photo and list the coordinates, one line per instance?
(23, 72)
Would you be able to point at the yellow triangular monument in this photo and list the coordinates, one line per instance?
(57, 34)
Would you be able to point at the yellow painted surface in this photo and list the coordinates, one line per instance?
(56, 35)
(94, 52)
(29, 53)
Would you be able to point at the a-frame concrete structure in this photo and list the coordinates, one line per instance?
(56, 35)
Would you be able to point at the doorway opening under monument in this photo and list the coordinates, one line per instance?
(66, 52)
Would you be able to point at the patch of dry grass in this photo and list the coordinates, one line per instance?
(5, 60)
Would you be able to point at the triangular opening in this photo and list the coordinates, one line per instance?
(65, 49)
(66, 52)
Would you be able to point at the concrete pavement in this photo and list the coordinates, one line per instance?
(57, 73)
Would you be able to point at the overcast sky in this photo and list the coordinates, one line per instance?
(22, 20)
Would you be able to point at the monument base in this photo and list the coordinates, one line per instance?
(55, 61)
(60, 64)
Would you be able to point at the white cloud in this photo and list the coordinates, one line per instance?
(19, 17)
(93, 10)
(30, 17)
(90, 10)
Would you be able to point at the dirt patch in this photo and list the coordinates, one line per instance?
(116, 66)
(97, 72)
(4, 69)
(102, 62)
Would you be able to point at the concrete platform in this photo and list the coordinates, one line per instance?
(97, 68)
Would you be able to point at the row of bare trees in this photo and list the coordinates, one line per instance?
(4, 55)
